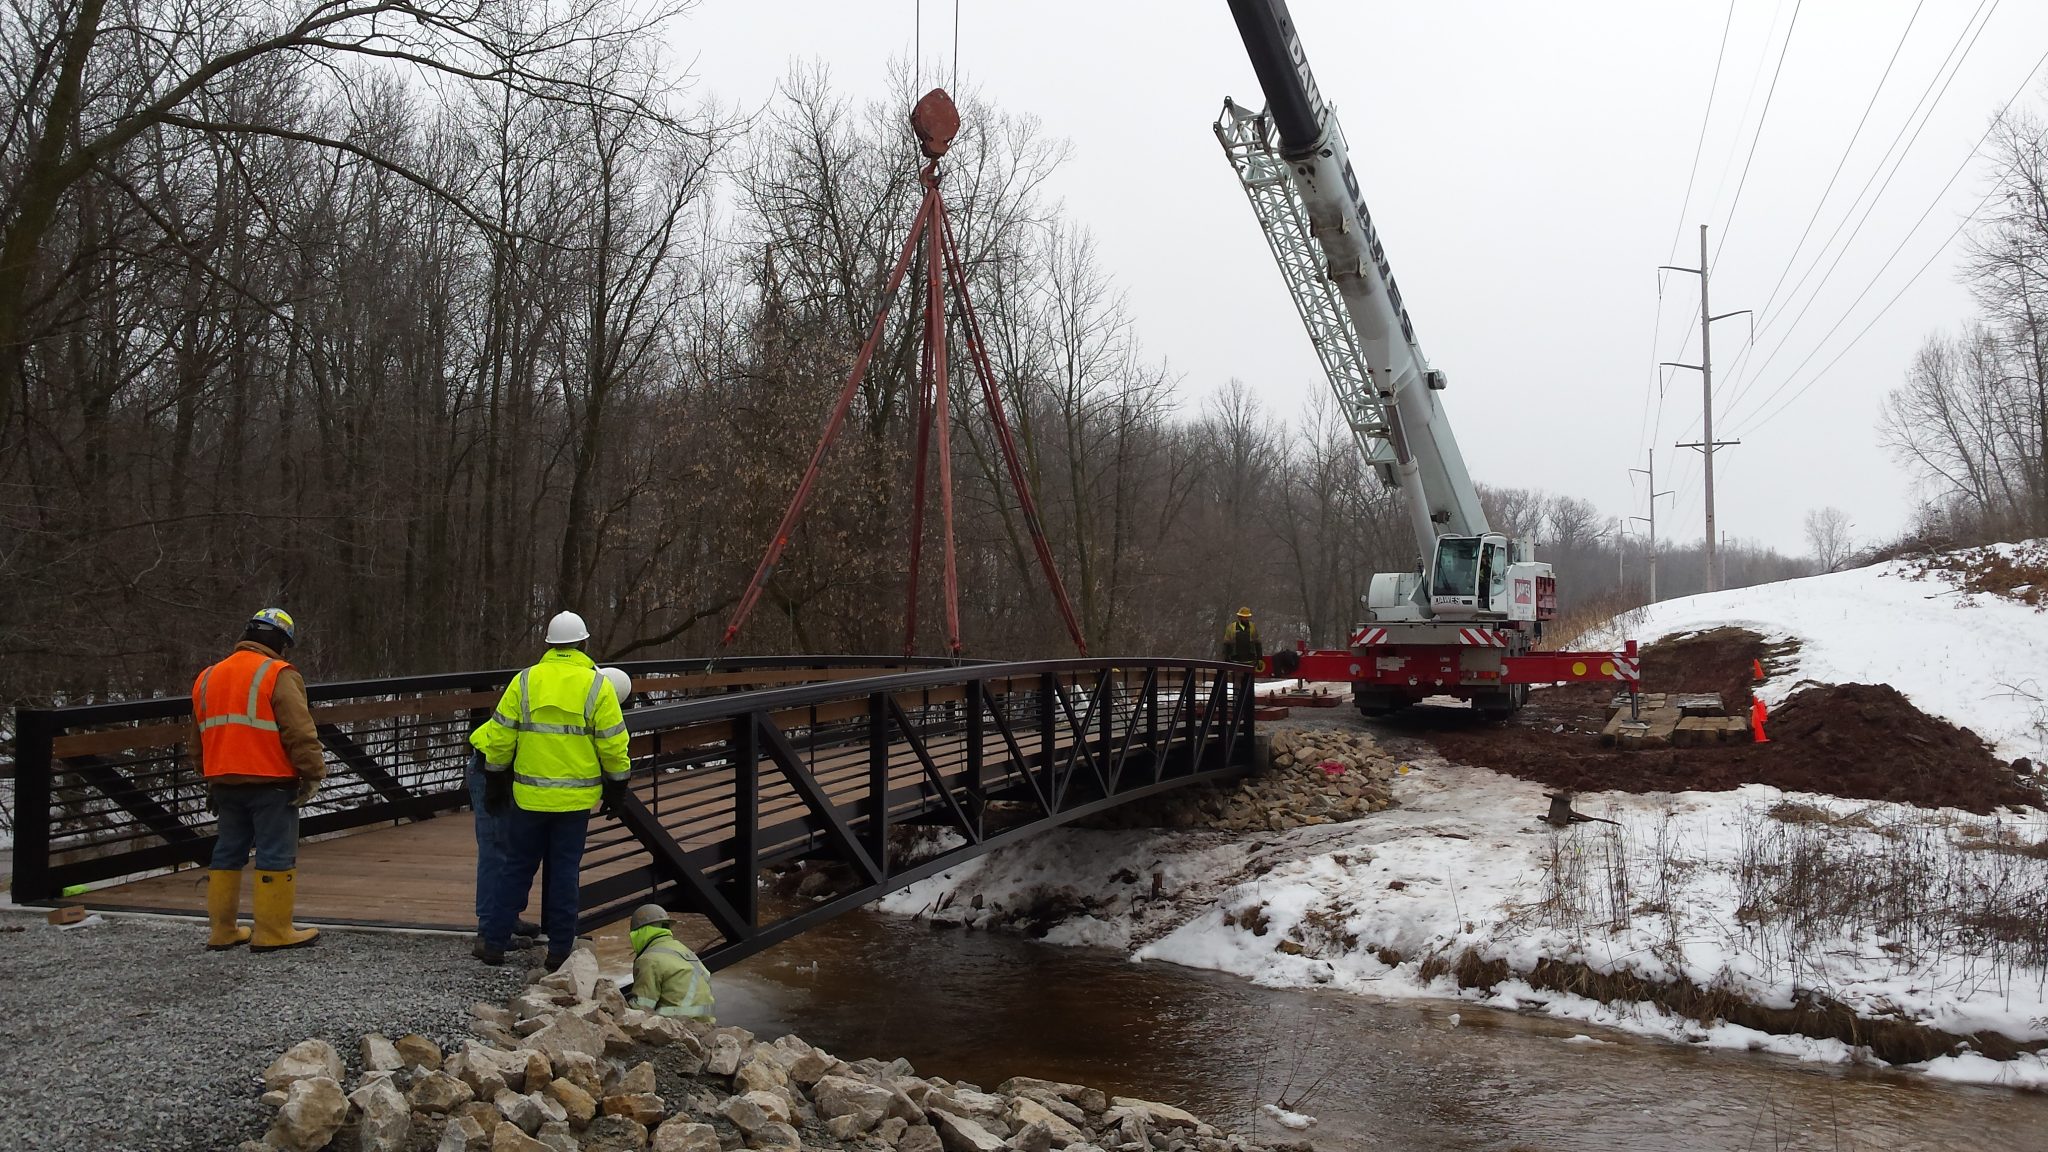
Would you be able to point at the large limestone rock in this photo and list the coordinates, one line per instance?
(745, 1113)
(644, 1107)
(519, 1108)
(1031, 1138)
(1157, 1114)
(568, 1036)
(774, 1136)
(638, 1078)
(463, 1134)
(438, 1092)
(555, 1134)
(385, 1123)
(582, 1071)
(508, 1138)
(723, 1056)
(306, 1059)
(608, 997)
(960, 1134)
(313, 1112)
(1027, 1113)
(578, 1107)
(759, 1075)
(1089, 1100)
(379, 1054)
(919, 1138)
(843, 1096)
(615, 1134)
(981, 1107)
(685, 1135)
(581, 969)
(418, 1052)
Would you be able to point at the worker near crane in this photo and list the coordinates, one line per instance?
(668, 979)
(260, 756)
(555, 746)
(1241, 639)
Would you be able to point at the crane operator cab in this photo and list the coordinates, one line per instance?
(1485, 577)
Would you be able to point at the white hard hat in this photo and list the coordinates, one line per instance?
(567, 628)
(622, 684)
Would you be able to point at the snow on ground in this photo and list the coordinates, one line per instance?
(1897, 913)
(1463, 863)
(1976, 660)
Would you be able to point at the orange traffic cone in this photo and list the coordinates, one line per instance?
(1757, 714)
(1756, 669)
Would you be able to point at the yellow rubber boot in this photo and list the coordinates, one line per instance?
(274, 931)
(223, 904)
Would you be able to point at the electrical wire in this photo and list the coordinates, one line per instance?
(1844, 161)
(1655, 392)
(1727, 224)
(1754, 421)
(1770, 321)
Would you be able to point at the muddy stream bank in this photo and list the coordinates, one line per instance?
(1396, 1075)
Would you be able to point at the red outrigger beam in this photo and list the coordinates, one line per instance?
(1344, 665)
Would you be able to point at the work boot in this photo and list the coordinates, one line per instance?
(223, 905)
(528, 929)
(275, 892)
(484, 952)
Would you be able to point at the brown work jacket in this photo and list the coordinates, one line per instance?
(294, 726)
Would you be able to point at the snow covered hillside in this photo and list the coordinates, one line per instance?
(1828, 928)
(1976, 659)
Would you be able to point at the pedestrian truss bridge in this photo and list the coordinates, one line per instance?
(738, 765)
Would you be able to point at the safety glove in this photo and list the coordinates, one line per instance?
(614, 798)
(309, 787)
(497, 791)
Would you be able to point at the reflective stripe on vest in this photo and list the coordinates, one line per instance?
(556, 766)
(240, 741)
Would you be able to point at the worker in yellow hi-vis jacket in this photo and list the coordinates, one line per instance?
(555, 746)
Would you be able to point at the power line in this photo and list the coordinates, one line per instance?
(1643, 434)
(1770, 321)
(1844, 161)
(1758, 421)
(1753, 421)
(1791, 26)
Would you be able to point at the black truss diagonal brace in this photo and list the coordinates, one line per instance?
(359, 761)
(669, 857)
(799, 776)
(112, 783)
(980, 698)
(969, 826)
(1081, 754)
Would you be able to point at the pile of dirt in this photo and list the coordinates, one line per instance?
(2017, 572)
(1862, 741)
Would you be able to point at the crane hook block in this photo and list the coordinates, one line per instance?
(936, 121)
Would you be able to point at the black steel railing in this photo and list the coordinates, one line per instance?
(111, 790)
(990, 753)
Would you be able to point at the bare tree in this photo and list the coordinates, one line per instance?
(1827, 533)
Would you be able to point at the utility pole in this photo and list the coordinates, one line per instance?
(1651, 519)
(1706, 443)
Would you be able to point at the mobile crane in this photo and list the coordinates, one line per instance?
(1465, 620)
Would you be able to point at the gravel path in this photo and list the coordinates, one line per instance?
(126, 1034)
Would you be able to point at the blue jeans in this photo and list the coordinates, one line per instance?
(261, 815)
(550, 843)
(490, 837)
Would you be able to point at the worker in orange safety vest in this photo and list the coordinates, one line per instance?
(262, 760)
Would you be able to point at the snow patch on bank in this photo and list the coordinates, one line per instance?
(1464, 865)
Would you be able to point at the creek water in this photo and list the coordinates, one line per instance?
(1384, 1075)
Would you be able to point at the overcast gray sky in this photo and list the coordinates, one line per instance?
(1526, 165)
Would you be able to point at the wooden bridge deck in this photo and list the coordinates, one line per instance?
(422, 874)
